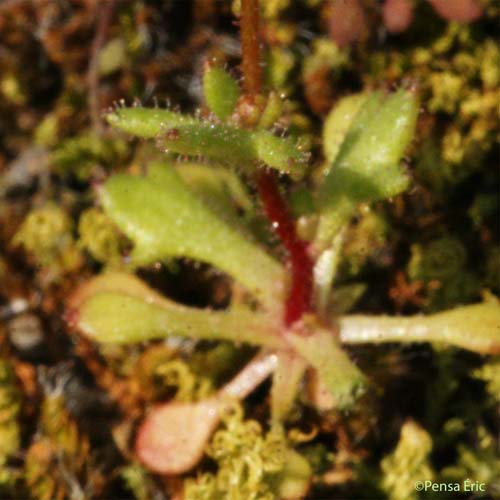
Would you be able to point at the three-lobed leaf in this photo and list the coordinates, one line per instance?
(225, 143)
(366, 167)
(165, 219)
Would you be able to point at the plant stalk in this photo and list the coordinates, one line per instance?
(300, 294)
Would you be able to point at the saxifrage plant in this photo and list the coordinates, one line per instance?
(203, 211)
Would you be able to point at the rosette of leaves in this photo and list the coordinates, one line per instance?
(170, 215)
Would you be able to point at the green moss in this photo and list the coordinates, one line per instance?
(250, 464)
(100, 237)
(490, 374)
(440, 259)
(46, 233)
(12, 89)
(364, 240)
(177, 374)
(441, 264)
(83, 154)
(138, 481)
(280, 63)
(408, 463)
(325, 54)
(58, 452)
(484, 206)
(47, 131)
(10, 438)
(480, 462)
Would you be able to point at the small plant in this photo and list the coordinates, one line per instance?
(202, 210)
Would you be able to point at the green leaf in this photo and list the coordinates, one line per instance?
(220, 189)
(112, 57)
(475, 328)
(282, 153)
(338, 373)
(366, 167)
(294, 480)
(147, 123)
(286, 382)
(338, 122)
(120, 308)
(230, 145)
(221, 92)
(220, 142)
(165, 219)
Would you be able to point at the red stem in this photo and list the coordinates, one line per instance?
(299, 297)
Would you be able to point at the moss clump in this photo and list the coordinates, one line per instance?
(139, 482)
(83, 154)
(490, 373)
(440, 259)
(441, 265)
(247, 460)
(177, 374)
(9, 427)
(408, 463)
(57, 462)
(100, 237)
(365, 241)
(46, 233)
(480, 462)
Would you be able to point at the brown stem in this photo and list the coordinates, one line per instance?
(104, 14)
(252, 75)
